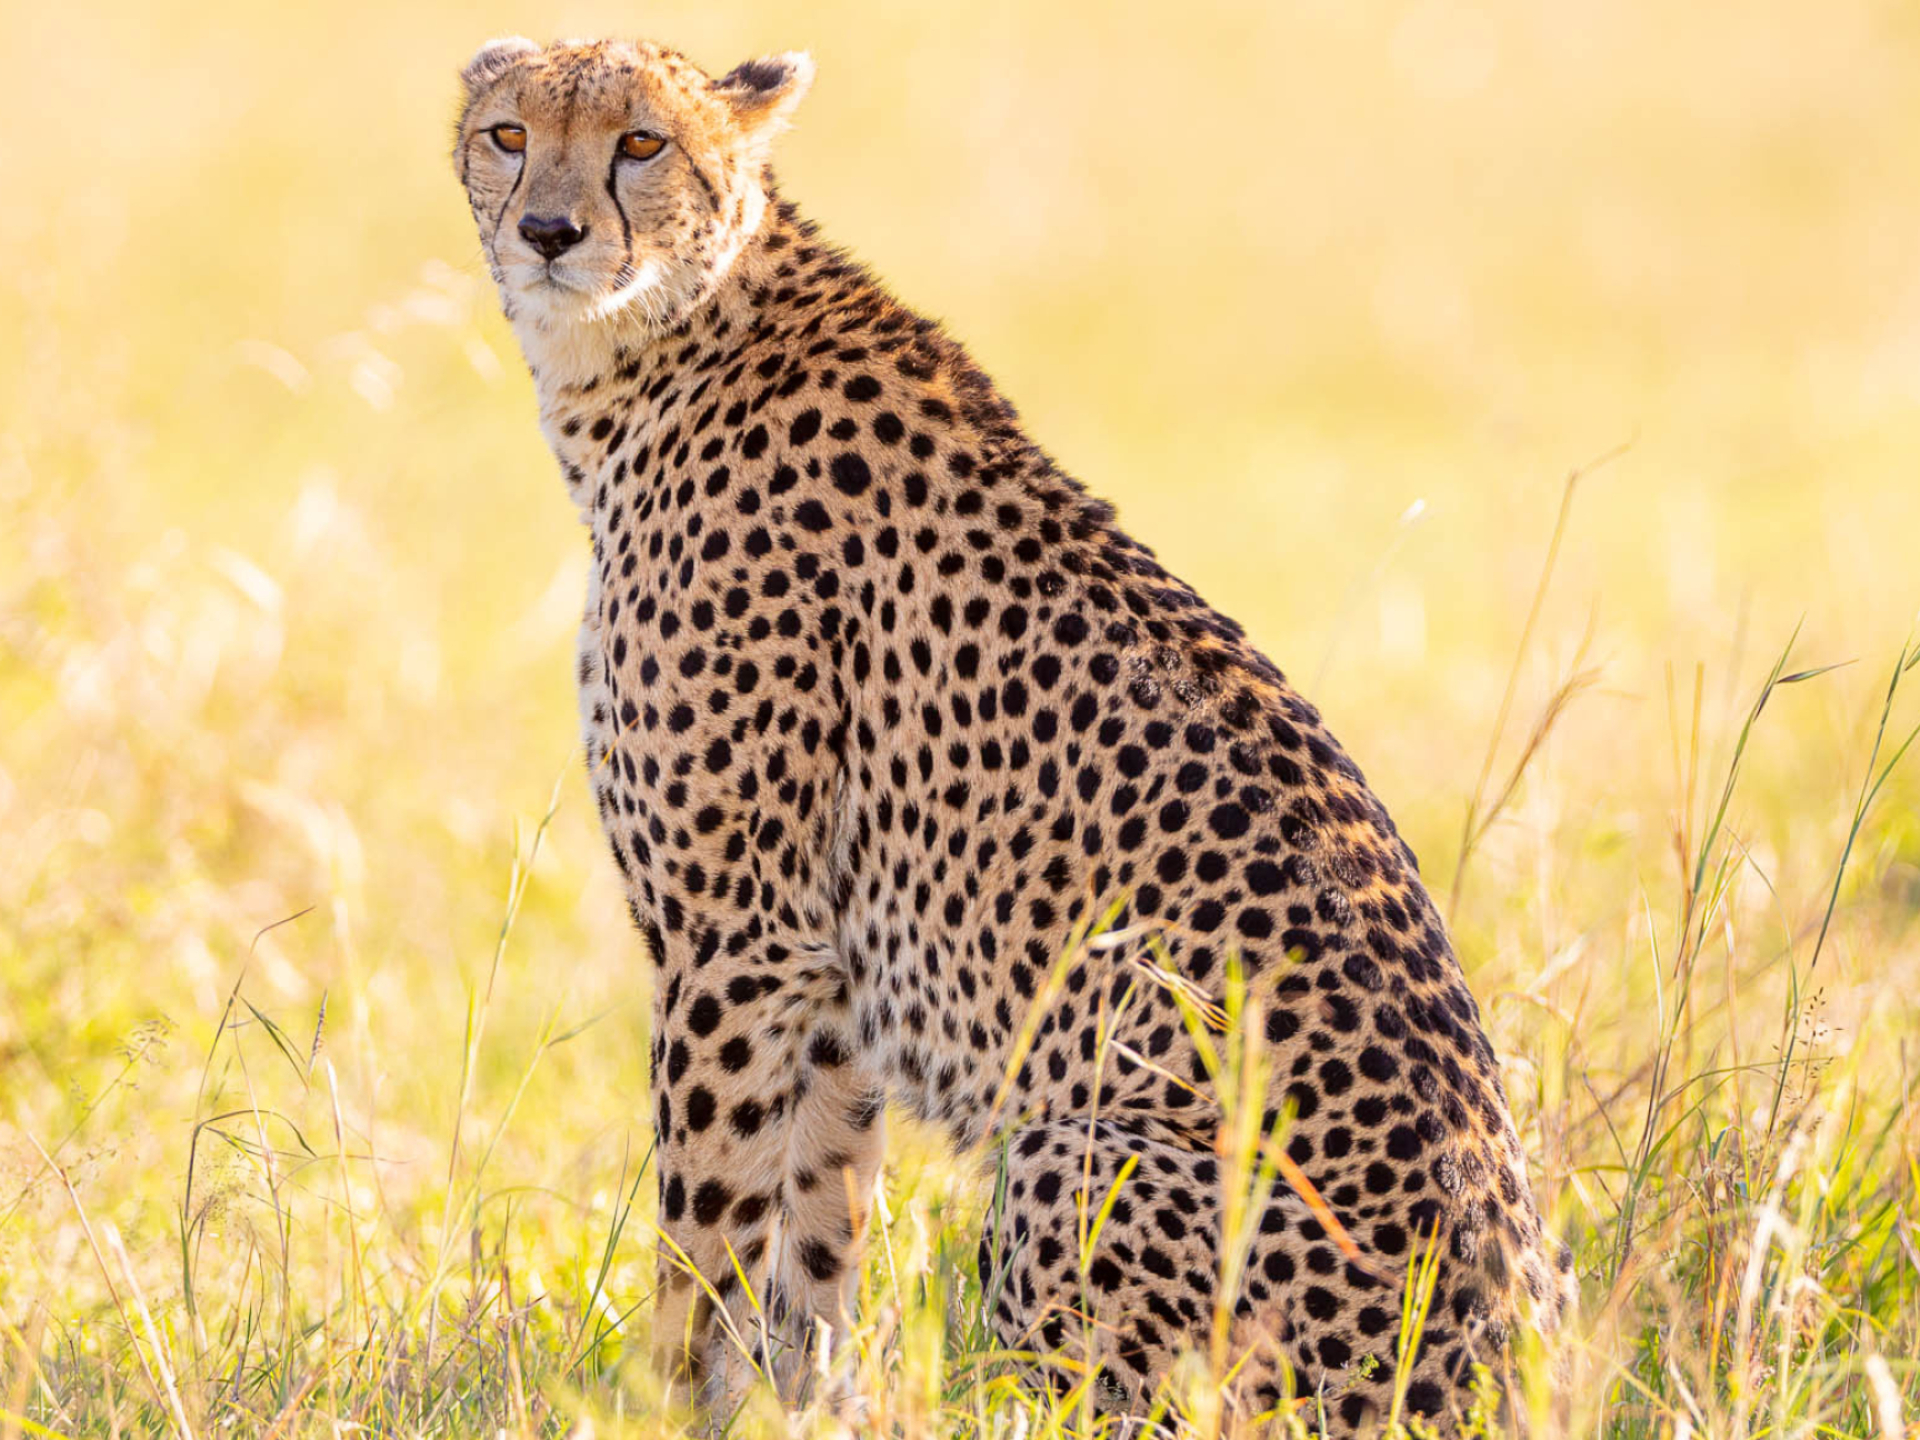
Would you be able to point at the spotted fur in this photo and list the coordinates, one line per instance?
(879, 706)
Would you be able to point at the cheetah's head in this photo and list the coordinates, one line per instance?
(616, 180)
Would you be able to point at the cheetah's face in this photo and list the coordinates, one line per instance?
(615, 179)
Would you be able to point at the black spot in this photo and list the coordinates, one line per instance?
(818, 1258)
(1229, 822)
(824, 1051)
(1376, 1064)
(710, 1201)
(700, 1108)
(1424, 1397)
(850, 473)
(703, 1016)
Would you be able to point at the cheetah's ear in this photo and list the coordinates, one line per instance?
(763, 93)
(494, 59)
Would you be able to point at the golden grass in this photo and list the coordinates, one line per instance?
(322, 1084)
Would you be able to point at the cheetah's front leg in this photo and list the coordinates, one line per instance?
(768, 1134)
(769, 1139)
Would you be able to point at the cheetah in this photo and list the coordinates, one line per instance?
(883, 710)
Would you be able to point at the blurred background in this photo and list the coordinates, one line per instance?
(1328, 298)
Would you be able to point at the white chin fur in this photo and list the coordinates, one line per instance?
(550, 301)
(570, 336)
(645, 281)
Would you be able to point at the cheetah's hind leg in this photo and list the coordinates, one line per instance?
(1308, 1328)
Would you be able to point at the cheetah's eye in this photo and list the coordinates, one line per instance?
(638, 145)
(510, 138)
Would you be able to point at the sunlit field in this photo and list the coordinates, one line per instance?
(1540, 384)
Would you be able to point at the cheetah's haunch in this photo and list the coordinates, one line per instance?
(878, 703)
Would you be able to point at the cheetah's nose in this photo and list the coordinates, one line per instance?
(551, 235)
